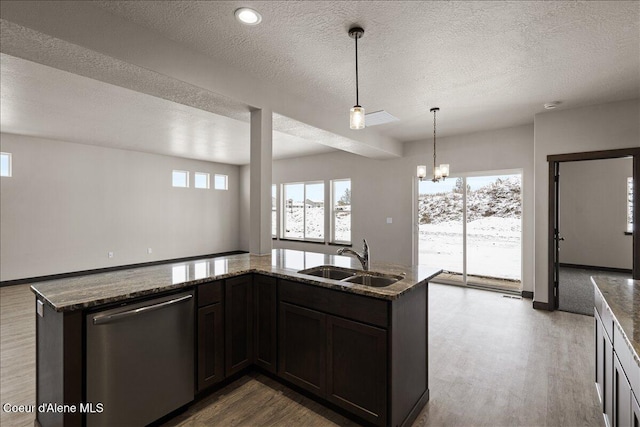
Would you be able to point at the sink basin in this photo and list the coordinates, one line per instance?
(330, 272)
(360, 277)
(374, 280)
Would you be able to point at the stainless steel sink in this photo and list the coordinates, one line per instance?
(330, 272)
(360, 277)
(374, 280)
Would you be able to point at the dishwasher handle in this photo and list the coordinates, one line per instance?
(100, 320)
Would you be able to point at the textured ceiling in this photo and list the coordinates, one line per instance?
(486, 64)
(38, 100)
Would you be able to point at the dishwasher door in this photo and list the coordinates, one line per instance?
(140, 360)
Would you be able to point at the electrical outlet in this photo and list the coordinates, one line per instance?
(149, 250)
(110, 254)
(389, 220)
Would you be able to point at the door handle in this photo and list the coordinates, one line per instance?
(100, 320)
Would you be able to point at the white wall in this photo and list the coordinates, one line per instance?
(387, 188)
(599, 127)
(67, 205)
(593, 213)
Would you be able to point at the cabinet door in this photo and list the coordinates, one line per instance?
(357, 368)
(635, 411)
(599, 374)
(238, 303)
(302, 347)
(265, 316)
(607, 379)
(210, 345)
(621, 396)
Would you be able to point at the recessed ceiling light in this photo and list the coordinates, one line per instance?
(248, 16)
(550, 105)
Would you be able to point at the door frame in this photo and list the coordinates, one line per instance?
(466, 175)
(554, 165)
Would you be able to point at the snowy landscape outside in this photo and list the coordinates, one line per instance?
(494, 224)
(304, 211)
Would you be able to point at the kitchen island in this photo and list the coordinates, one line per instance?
(617, 337)
(358, 348)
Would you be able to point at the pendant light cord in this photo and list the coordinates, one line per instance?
(434, 145)
(357, 94)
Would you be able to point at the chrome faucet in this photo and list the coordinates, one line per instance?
(364, 258)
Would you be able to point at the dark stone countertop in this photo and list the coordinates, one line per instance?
(623, 298)
(78, 293)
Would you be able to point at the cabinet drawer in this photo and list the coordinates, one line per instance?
(356, 307)
(209, 293)
(598, 300)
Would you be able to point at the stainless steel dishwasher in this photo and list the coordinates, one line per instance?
(140, 360)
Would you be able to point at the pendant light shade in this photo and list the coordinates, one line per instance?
(356, 114)
(356, 117)
(444, 169)
(422, 172)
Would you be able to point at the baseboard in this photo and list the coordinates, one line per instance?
(527, 294)
(417, 408)
(594, 267)
(109, 269)
(542, 306)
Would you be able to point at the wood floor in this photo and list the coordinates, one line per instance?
(494, 361)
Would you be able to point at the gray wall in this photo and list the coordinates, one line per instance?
(67, 205)
(593, 213)
(598, 127)
(387, 188)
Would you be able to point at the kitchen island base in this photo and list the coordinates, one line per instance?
(366, 356)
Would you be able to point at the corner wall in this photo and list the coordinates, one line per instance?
(67, 205)
(598, 127)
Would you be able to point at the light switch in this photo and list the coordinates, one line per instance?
(389, 220)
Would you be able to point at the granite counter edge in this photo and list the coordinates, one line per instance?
(325, 283)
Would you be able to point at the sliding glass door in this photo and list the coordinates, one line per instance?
(471, 227)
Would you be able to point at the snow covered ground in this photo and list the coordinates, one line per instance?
(294, 223)
(493, 245)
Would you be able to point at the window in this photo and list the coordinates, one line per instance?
(274, 211)
(180, 178)
(629, 205)
(201, 180)
(341, 205)
(221, 182)
(303, 211)
(5, 164)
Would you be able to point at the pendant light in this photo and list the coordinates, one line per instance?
(356, 114)
(439, 172)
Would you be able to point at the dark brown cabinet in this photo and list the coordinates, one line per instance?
(265, 318)
(210, 335)
(302, 337)
(238, 307)
(357, 368)
(337, 358)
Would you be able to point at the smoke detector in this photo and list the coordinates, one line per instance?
(551, 105)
